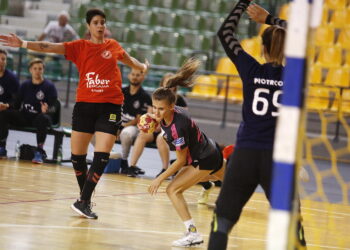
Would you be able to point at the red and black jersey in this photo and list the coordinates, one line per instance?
(183, 132)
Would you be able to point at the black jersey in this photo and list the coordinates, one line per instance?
(9, 86)
(32, 95)
(136, 104)
(183, 132)
(262, 86)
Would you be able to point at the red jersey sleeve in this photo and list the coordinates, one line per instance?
(73, 50)
(120, 50)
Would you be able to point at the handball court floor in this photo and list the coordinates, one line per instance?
(35, 210)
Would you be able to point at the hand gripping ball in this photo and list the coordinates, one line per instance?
(147, 124)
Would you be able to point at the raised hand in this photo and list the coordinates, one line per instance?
(257, 13)
(11, 40)
(145, 71)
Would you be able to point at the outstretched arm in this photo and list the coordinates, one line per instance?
(14, 41)
(260, 15)
(134, 63)
(227, 30)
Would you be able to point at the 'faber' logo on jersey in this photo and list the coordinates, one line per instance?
(93, 81)
(40, 95)
(112, 117)
(1, 90)
(179, 142)
(106, 54)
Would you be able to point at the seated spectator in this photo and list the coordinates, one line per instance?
(59, 31)
(136, 103)
(9, 86)
(32, 106)
(144, 138)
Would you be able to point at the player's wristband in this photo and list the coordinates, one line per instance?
(24, 44)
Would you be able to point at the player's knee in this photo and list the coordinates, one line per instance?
(78, 161)
(126, 137)
(173, 190)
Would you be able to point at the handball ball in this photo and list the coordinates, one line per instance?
(147, 124)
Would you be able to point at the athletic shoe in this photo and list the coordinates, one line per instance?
(161, 171)
(84, 209)
(204, 195)
(139, 170)
(3, 152)
(188, 240)
(124, 165)
(38, 157)
(132, 172)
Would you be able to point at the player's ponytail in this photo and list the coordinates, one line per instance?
(184, 77)
(273, 40)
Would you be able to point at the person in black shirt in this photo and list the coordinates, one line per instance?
(251, 163)
(9, 86)
(34, 100)
(198, 158)
(136, 103)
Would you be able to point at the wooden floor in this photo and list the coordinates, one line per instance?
(35, 214)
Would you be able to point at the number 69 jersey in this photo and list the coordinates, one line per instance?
(262, 92)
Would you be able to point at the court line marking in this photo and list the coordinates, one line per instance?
(141, 184)
(5, 225)
(71, 198)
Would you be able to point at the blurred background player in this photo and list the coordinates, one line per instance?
(98, 100)
(198, 158)
(136, 103)
(32, 106)
(251, 163)
(59, 31)
(9, 86)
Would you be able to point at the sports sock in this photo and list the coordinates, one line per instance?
(95, 172)
(80, 168)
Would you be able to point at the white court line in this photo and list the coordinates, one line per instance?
(4, 225)
(141, 184)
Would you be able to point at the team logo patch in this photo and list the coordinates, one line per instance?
(40, 95)
(1, 90)
(136, 104)
(106, 54)
(112, 117)
(178, 142)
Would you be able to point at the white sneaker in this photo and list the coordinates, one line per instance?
(189, 239)
(204, 195)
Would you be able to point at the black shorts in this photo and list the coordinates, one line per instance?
(213, 162)
(92, 117)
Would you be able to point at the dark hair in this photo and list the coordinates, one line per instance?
(165, 77)
(184, 77)
(273, 39)
(2, 51)
(35, 61)
(94, 12)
